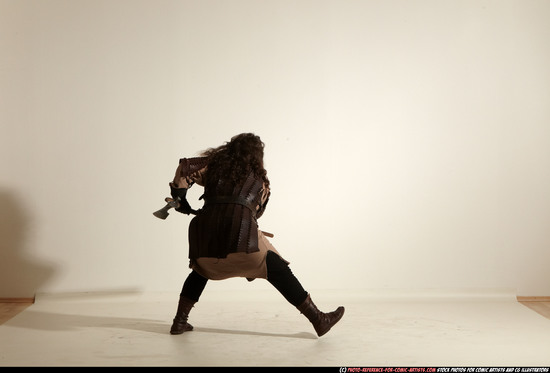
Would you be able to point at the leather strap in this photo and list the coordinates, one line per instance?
(230, 200)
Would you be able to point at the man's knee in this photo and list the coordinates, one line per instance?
(274, 263)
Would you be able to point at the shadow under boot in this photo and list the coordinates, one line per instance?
(180, 323)
(322, 322)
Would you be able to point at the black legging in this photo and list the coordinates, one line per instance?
(278, 274)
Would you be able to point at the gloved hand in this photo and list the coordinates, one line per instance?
(180, 195)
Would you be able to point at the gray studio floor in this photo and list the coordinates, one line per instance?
(258, 328)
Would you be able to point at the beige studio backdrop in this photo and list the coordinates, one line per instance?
(407, 141)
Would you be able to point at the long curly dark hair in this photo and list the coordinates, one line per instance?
(233, 161)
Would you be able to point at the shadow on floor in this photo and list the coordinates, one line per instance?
(49, 321)
(302, 335)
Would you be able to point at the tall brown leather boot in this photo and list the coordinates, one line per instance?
(322, 322)
(180, 323)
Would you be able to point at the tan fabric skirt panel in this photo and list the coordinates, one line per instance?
(237, 264)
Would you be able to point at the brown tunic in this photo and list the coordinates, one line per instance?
(224, 239)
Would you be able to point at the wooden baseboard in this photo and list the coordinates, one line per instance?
(533, 298)
(16, 300)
